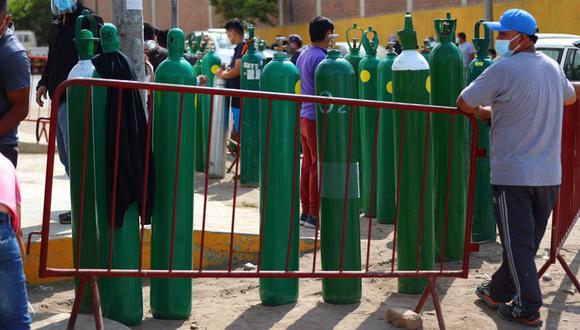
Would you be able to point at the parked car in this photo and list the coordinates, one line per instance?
(223, 48)
(564, 49)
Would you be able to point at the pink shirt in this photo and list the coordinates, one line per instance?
(9, 190)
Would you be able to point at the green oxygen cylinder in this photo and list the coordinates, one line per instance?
(77, 113)
(367, 89)
(447, 76)
(121, 298)
(411, 84)
(171, 298)
(280, 217)
(335, 78)
(250, 130)
(193, 46)
(353, 35)
(386, 167)
(483, 215)
(208, 65)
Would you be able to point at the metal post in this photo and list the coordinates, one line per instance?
(318, 8)
(174, 22)
(362, 8)
(153, 11)
(281, 12)
(128, 17)
(209, 16)
(409, 6)
(488, 9)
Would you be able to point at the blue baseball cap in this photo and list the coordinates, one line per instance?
(517, 20)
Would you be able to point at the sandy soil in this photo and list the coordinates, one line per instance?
(235, 304)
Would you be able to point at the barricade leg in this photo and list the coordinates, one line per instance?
(569, 272)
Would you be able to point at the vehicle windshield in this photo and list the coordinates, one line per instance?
(223, 41)
(554, 53)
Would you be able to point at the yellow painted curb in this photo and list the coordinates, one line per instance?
(215, 255)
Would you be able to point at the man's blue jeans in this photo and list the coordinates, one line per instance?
(62, 137)
(13, 297)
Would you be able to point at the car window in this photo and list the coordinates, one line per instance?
(554, 53)
(572, 65)
(223, 41)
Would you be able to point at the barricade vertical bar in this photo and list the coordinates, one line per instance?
(146, 175)
(206, 183)
(265, 182)
(399, 166)
(294, 173)
(97, 312)
(341, 268)
(115, 174)
(470, 193)
(321, 170)
(77, 304)
(423, 190)
(373, 187)
(447, 193)
(83, 179)
(236, 181)
(177, 158)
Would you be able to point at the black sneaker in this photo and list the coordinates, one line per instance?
(517, 314)
(311, 222)
(485, 292)
(303, 218)
(64, 218)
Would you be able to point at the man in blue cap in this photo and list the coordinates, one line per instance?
(524, 95)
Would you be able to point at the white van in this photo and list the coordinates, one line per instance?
(564, 49)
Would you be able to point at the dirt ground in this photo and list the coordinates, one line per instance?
(235, 303)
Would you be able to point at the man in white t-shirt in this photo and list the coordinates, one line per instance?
(467, 49)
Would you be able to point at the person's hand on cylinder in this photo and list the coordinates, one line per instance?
(201, 80)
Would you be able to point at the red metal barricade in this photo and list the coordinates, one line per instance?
(567, 210)
(459, 269)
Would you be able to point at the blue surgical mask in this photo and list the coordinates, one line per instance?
(63, 6)
(502, 47)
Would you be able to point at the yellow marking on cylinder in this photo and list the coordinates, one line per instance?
(428, 84)
(365, 76)
(214, 68)
(297, 87)
(390, 87)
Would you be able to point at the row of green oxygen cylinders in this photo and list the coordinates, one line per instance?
(437, 171)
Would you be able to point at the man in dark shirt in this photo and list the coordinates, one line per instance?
(235, 33)
(155, 53)
(14, 85)
(62, 57)
(294, 47)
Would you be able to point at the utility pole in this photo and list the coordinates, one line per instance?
(128, 17)
(488, 9)
(174, 22)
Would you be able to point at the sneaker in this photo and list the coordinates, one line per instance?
(311, 222)
(515, 313)
(485, 292)
(303, 218)
(64, 218)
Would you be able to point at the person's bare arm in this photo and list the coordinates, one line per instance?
(18, 111)
(483, 113)
(573, 99)
(19, 235)
(231, 73)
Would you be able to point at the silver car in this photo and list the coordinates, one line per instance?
(564, 49)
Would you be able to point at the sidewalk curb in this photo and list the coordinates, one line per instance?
(216, 252)
(32, 148)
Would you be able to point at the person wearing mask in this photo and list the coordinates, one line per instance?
(14, 85)
(397, 45)
(14, 300)
(294, 47)
(62, 57)
(524, 95)
(320, 30)
(235, 33)
(467, 49)
(155, 53)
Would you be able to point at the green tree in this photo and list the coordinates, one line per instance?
(251, 11)
(32, 15)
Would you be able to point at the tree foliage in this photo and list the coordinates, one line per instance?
(32, 15)
(250, 11)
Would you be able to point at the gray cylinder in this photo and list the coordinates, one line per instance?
(219, 128)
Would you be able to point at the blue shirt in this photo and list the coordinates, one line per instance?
(307, 63)
(14, 75)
